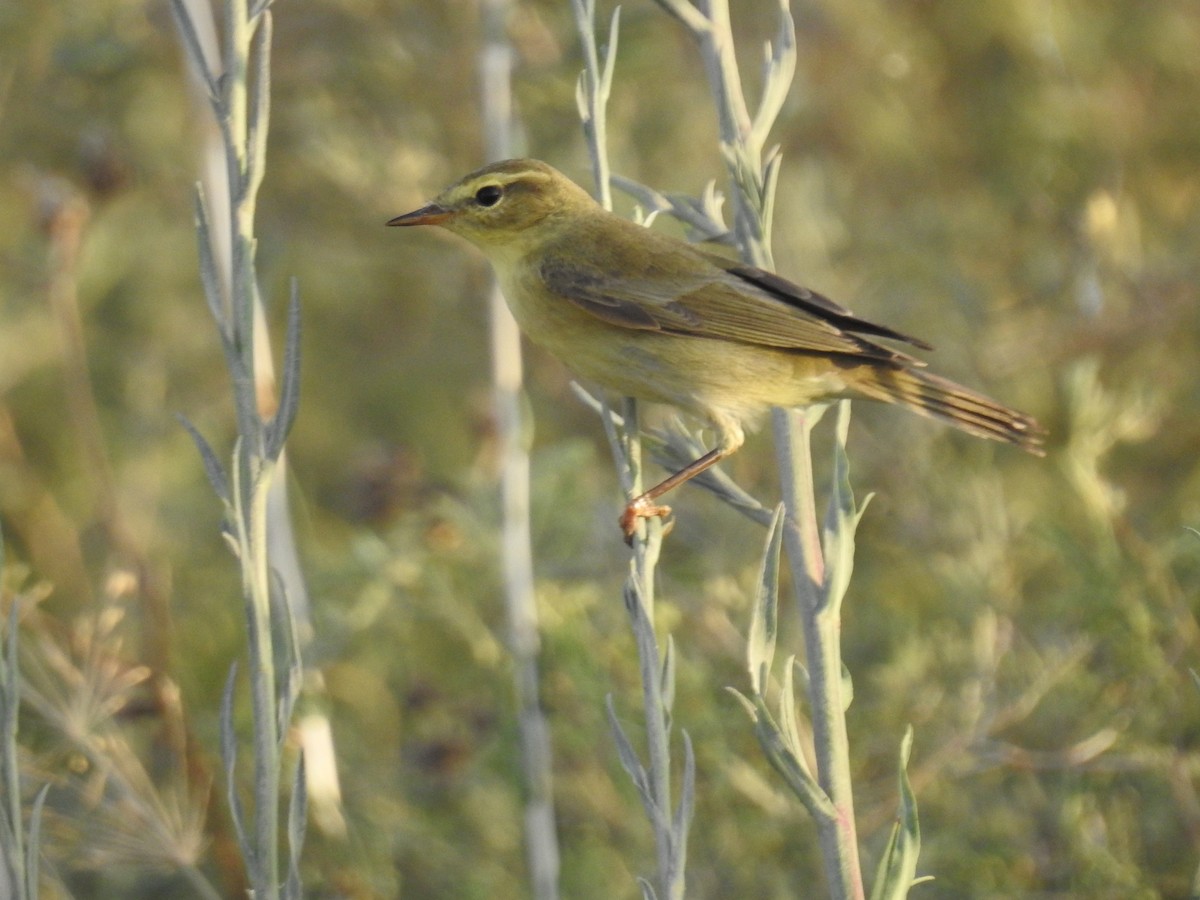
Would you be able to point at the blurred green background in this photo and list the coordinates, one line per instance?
(1017, 182)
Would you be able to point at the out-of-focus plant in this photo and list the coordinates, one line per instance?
(238, 89)
(516, 558)
(109, 810)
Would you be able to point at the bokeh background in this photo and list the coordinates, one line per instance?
(1017, 182)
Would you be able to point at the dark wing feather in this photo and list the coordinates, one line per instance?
(810, 301)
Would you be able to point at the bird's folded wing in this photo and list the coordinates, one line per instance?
(746, 306)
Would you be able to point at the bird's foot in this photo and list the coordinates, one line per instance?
(643, 508)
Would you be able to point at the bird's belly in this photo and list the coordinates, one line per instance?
(705, 372)
(709, 377)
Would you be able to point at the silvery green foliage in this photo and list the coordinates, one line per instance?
(652, 780)
(238, 90)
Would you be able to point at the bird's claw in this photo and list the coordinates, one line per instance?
(641, 508)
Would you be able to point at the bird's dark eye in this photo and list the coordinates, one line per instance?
(489, 195)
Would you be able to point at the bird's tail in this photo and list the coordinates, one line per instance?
(940, 398)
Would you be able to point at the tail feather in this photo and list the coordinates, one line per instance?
(940, 398)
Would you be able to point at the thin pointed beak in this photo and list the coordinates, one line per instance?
(430, 214)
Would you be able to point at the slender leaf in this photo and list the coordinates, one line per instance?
(764, 615)
(33, 845)
(581, 101)
(787, 713)
(841, 519)
(682, 820)
(629, 760)
(296, 825)
(794, 771)
(771, 168)
(259, 113)
(210, 273)
(898, 866)
(285, 642)
(212, 466)
(604, 85)
(667, 679)
(691, 17)
(195, 52)
(229, 762)
(746, 702)
(779, 68)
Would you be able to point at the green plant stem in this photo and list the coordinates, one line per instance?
(263, 692)
(822, 645)
(640, 599)
(670, 824)
(741, 138)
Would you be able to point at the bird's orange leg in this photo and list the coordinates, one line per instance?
(644, 507)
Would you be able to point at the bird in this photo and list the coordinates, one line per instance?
(650, 316)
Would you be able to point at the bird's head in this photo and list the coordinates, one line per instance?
(507, 206)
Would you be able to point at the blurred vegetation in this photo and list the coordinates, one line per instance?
(1019, 183)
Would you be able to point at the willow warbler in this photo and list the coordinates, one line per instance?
(649, 316)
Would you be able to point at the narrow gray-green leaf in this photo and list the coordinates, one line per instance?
(771, 167)
(841, 519)
(692, 18)
(195, 52)
(11, 847)
(787, 713)
(644, 632)
(898, 867)
(610, 57)
(296, 825)
(847, 687)
(259, 113)
(778, 71)
(289, 389)
(795, 773)
(210, 272)
(682, 820)
(747, 703)
(245, 395)
(285, 642)
(581, 100)
(33, 845)
(666, 685)
(212, 466)
(764, 613)
(629, 760)
(229, 763)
